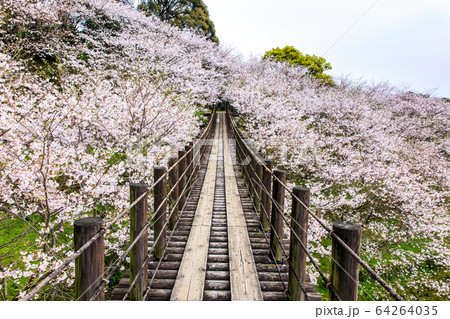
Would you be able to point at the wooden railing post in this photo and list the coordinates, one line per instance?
(197, 155)
(207, 141)
(182, 178)
(160, 216)
(202, 149)
(256, 175)
(297, 255)
(193, 161)
(188, 165)
(252, 170)
(258, 191)
(246, 160)
(89, 266)
(241, 157)
(138, 219)
(344, 268)
(266, 201)
(172, 200)
(239, 153)
(276, 232)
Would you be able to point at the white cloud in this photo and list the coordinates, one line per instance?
(396, 40)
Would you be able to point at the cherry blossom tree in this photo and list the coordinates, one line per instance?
(94, 95)
(372, 155)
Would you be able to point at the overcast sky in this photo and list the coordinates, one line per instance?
(405, 42)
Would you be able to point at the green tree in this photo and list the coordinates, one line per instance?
(315, 65)
(192, 14)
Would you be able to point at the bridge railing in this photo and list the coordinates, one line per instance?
(170, 189)
(267, 188)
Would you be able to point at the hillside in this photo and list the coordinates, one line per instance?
(94, 95)
(372, 155)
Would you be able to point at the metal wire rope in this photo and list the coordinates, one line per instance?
(165, 249)
(383, 283)
(327, 281)
(83, 248)
(149, 223)
(167, 245)
(329, 286)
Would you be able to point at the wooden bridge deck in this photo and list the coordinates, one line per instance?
(217, 251)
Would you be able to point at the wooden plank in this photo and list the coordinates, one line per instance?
(89, 266)
(191, 275)
(243, 275)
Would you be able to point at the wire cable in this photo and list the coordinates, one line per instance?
(383, 283)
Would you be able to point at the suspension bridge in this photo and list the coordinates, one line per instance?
(217, 231)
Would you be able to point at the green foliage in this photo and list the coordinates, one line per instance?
(116, 158)
(17, 236)
(200, 115)
(316, 65)
(83, 56)
(185, 14)
(118, 274)
(47, 65)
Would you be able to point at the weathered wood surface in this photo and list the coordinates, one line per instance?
(138, 219)
(89, 266)
(217, 283)
(276, 229)
(266, 201)
(297, 255)
(344, 268)
(172, 185)
(168, 267)
(217, 280)
(243, 273)
(160, 214)
(191, 276)
(272, 286)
